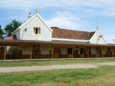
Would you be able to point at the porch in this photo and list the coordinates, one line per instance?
(41, 50)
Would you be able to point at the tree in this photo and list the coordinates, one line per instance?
(11, 27)
(1, 33)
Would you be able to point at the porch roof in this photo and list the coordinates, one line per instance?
(52, 43)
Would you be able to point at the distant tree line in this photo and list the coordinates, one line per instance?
(7, 31)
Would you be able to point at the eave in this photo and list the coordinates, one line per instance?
(51, 43)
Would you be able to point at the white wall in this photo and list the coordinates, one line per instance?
(45, 49)
(97, 38)
(35, 21)
(18, 34)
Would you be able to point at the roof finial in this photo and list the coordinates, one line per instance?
(36, 11)
(97, 23)
(29, 15)
(97, 27)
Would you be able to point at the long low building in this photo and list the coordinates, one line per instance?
(35, 39)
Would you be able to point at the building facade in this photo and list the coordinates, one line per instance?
(35, 39)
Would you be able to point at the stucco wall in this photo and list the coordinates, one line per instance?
(45, 33)
(97, 38)
(25, 50)
(18, 34)
(45, 49)
(64, 50)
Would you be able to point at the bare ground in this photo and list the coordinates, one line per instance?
(42, 68)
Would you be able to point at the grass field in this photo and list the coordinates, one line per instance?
(53, 62)
(102, 76)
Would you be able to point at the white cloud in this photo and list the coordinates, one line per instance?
(107, 6)
(66, 20)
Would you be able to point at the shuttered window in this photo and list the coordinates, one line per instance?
(36, 30)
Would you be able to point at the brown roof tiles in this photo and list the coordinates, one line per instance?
(71, 34)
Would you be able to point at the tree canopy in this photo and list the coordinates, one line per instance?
(1, 33)
(12, 26)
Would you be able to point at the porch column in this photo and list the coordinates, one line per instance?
(88, 52)
(102, 52)
(30, 52)
(72, 52)
(4, 52)
(52, 52)
(1, 52)
(112, 52)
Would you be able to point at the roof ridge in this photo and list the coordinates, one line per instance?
(70, 29)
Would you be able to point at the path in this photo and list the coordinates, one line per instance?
(51, 67)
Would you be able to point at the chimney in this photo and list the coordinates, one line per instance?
(29, 15)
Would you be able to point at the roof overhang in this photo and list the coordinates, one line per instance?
(51, 43)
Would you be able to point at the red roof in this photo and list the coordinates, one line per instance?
(11, 37)
(71, 34)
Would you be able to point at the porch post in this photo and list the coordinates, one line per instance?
(52, 52)
(112, 52)
(102, 52)
(72, 52)
(1, 53)
(30, 52)
(88, 52)
(4, 52)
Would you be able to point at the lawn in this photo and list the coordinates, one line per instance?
(53, 62)
(102, 76)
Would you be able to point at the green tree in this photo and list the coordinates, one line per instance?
(11, 27)
(1, 33)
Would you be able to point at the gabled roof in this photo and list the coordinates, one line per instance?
(71, 34)
(11, 38)
(29, 20)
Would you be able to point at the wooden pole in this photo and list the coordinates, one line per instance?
(112, 52)
(88, 52)
(4, 53)
(30, 52)
(102, 52)
(52, 52)
(72, 52)
(1, 52)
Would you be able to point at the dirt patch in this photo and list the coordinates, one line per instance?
(43, 68)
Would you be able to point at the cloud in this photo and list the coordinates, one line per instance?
(66, 20)
(107, 6)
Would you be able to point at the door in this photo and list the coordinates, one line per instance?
(56, 52)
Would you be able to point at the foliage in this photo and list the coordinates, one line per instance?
(11, 27)
(1, 33)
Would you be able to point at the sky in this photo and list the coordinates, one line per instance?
(82, 15)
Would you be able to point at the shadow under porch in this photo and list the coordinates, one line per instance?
(36, 50)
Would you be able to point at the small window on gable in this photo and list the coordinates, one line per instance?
(25, 29)
(36, 30)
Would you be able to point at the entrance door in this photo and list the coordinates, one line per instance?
(56, 52)
(98, 53)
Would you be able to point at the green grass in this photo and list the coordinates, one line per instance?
(53, 62)
(102, 76)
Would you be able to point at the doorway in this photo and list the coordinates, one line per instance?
(56, 52)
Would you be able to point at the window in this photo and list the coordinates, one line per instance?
(81, 51)
(93, 50)
(36, 30)
(69, 50)
(25, 29)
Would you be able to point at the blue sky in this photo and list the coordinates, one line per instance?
(68, 14)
